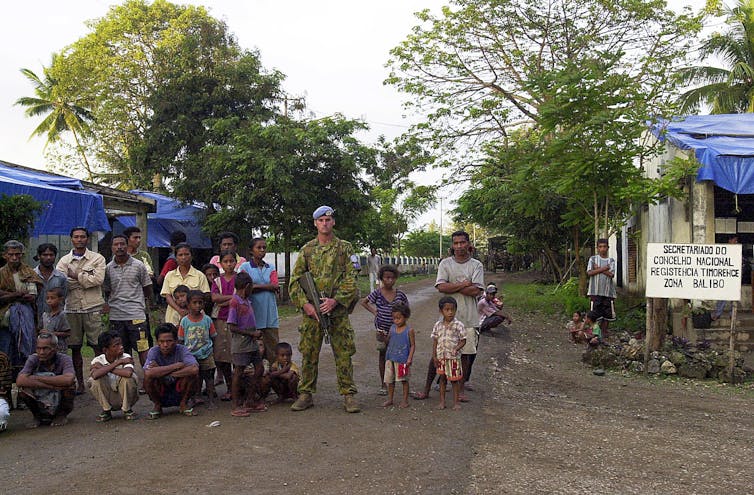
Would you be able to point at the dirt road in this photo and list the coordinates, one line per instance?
(538, 422)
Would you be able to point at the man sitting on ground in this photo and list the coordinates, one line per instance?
(112, 380)
(171, 373)
(490, 310)
(47, 383)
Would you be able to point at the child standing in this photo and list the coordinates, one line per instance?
(54, 320)
(243, 330)
(211, 272)
(180, 296)
(448, 338)
(400, 354)
(223, 288)
(196, 331)
(380, 302)
(284, 373)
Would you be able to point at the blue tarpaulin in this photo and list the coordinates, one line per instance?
(67, 204)
(171, 216)
(722, 144)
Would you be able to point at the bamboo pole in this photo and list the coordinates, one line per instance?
(649, 333)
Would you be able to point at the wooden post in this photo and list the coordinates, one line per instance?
(649, 333)
(732, 340)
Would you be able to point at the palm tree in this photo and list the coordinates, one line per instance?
(730, 89)
(62, 112)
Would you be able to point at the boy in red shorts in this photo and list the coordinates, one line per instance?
(448, 338)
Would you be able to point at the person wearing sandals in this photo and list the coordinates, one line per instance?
(112, 381)
(171, 373)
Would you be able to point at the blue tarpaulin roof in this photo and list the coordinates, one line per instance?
(171, 216)
(722, 144)
(67, 204)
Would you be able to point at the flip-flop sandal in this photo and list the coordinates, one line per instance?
(130, 416)
(104, 417)
(420, 396)
(154, 415)
(258, 408)
(189, 412)
(240, 413)
(226, 397)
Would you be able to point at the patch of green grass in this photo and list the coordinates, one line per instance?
(562, 301)
(532, 297)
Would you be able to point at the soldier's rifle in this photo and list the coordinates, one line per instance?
(314, 297)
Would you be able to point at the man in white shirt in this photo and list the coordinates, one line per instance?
(373, 265)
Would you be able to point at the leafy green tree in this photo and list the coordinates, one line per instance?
(138, 50)
(728, 89)
(17, 216)
(531, 101)
(62, 111)
(396, 198)
(269, 177)
(469, 68)
(424, 243)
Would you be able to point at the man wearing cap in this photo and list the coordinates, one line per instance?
(490, 310)
(85, 270)
(328, 260)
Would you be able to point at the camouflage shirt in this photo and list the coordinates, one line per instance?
(331, 268)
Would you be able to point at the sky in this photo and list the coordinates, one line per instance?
(333, 53)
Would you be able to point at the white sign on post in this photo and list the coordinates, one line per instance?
(694, 271)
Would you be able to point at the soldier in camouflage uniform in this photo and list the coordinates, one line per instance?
(328, 259)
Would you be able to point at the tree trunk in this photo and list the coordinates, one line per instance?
(581, 267)
(83, 156)
(557, 273)
(596, 220)
(284, 296)
(660, 323)
(649, 332)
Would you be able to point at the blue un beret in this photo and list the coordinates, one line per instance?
(322, 210)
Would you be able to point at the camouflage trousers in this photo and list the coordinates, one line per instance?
(343, 347)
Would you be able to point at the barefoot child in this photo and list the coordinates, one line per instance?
(243, 330)
(284, 373)
(54, 320)
(197, 332)
(400, 354)
(380, 302)
(448, 338)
